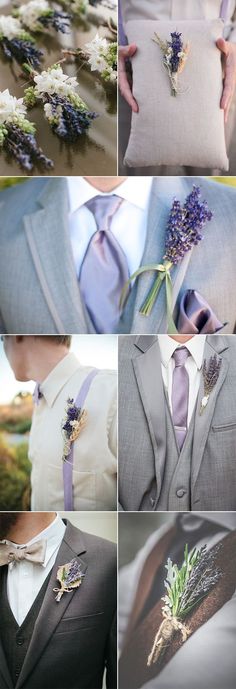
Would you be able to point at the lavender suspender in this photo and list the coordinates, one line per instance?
(224, 9)
(68, 464)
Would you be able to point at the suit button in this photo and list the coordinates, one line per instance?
(17, 671)
(181, 492)
(20, 641)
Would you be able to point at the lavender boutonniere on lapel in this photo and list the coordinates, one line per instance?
(69, 577)
(174, 57)
(183, 232)
(74, 422)
(210, 372)
(185, 587)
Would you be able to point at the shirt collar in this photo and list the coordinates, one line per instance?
(53, 535)
(195, 346)
(194, 519)
(134, 190)
(58, 377)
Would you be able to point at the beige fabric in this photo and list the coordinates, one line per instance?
(94, 473)
(188, 129)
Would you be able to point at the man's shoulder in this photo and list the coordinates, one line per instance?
(101, 548)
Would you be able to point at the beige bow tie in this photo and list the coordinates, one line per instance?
(34, 553)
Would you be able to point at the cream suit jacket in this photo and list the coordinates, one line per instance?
(180, 9)
(94, 472)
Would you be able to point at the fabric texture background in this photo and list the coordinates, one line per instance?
(183, 130)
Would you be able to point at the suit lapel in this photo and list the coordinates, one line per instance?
(133, 667)
(47, 235)
(218, 344)
(163, 192)
(51, 611)
(147, 369)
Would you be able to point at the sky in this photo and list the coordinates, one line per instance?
(96, 350)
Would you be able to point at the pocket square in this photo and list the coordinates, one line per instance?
(196, 316)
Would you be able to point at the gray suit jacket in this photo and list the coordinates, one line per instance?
(142, 428)
(39, 290)
(74, 640)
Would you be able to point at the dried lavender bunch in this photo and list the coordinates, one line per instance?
(24, 149)
(18, 44)
(37, 15)
(185, 225)
(184, 231)
(210, 372)
(69, 577)
(174, 57)
(186, 587)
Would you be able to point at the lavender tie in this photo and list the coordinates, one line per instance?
(180, 393)
(104, 270)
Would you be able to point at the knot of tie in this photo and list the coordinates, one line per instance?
(180, 356)
(103, 208)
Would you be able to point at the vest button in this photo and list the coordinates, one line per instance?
(17, 671)
(20, 641)
(181, 492)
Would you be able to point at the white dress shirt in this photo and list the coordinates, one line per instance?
(129, 223)
(25, 579)
(193, 366)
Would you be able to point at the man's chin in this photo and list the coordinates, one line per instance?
(7, 520)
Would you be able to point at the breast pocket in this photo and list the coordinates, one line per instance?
(74, 624)
(231, 426)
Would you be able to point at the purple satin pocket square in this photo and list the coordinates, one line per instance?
(196, 316)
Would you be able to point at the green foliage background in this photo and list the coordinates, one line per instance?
(15, 471)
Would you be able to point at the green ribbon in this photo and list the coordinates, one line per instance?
(163, 275)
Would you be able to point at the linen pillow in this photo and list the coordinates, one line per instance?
(187, 129)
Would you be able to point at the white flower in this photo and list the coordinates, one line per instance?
(10, 107)
(51, 113)
(97, 50)
(30, 13)
(10, 27)
(55, 81)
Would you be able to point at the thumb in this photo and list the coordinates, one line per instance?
(223, 46)
(130, 50)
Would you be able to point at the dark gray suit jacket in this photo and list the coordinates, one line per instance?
(74, 640)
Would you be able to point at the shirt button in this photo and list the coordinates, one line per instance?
(181, 492)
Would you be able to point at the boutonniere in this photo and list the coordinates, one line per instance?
(78, 7)
(210, 372)
(102, 57)
(66, 112)
(74, 422)
(18, 44)
(186, 586)
(174, 57)
(183, 233)
(37, 15)
(69, 577)
(17, 134)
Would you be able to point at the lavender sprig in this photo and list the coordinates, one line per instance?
(21, 51)
(174, 57)
(24, 149)
(69, 577)
(184, 231)
(185, 225)
(210, 372)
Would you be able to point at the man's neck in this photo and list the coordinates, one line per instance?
(29, 525)
(42, 366)
(105, 184)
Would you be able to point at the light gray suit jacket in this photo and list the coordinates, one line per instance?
(143, 449)
(39, 290)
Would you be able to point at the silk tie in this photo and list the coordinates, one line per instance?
(34, 553)
(180, 394)
(37, 394)
(104, 269)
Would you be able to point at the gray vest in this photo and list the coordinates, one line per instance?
(175, 492)
(15, 639)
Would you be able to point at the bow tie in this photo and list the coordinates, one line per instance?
(33, 553)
